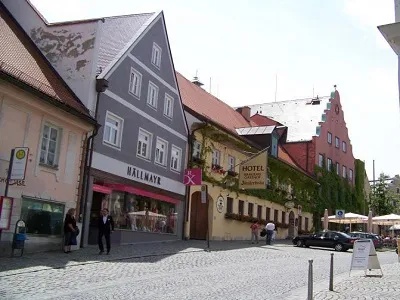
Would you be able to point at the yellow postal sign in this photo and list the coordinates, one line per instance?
(253, 173)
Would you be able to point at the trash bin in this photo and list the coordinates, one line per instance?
(19, 237)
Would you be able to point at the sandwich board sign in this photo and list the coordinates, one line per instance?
(364, 257)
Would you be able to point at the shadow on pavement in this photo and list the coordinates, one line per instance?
(145, 253)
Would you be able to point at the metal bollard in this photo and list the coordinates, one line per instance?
(310, 280)
(331, 274)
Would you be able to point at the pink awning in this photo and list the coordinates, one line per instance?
(102, 189)
(136, 191)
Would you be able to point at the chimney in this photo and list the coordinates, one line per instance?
(245, 112)
(197, 82)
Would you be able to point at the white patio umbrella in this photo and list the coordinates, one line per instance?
(391, 219)
(349, 218)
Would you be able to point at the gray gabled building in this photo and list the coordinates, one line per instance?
(122, 70)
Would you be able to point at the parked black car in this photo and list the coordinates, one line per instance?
(376, 239)
(337, 240)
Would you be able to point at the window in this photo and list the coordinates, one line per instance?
(329, 138)
(337, 168)
(176, 157)
(216, 158)
(337, 142)
(42, 217)
(144, 144)
(156, 56)
(168, 106)
(318, 131)
(306, 224)
(229, 205)
(135, 83)
(276, 212)
(274, 145)
(113, 130)
(329, 164)
(231, 163)
(323, 118)
(300, 224)
(196, 149)
(283, 217)
(241, 207)
(344, 172)
(259, 212)
(351, 174)
(161, 152)
(152, 95)
(250, 209)
(268, 214)
(320, 160)
(344, 146)
(51, 137)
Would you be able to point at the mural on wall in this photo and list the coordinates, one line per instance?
(66, 48)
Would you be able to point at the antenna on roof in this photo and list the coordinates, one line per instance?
(276, 85)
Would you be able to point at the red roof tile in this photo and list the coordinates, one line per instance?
(210, 107)
(21, 60)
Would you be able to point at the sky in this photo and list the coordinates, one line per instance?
(239, 48)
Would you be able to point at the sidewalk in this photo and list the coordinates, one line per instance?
(57, 259)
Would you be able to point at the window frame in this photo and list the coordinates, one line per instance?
(351, 174)
(215, 151)
(179, 159)
(156, 48)
(196, 151)
(149, 144)
(329, 164)
(337, 168)
(329, 138)
(241, 208)
(337, 142)
(229, 205)
(57, 147)
(152, 86)
(321, 160)
(135, 72)
(231, 163)
(250, 209)
(169, 114)
(161, 141)
(344, 146)
(116, 118)
(259, 211)
(344, 171)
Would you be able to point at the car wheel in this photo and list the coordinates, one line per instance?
(338, 247)
(300, 243)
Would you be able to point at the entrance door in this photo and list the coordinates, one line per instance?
(198, 218)
(291, 224)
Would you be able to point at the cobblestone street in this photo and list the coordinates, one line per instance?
(183, 270)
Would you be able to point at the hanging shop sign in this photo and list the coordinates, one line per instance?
(192, 176)
(253, 173)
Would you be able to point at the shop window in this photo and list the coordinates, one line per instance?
(229, 205)
(251, 209)
(268, 214)
(41, 217)
(51, 137)
(276, 213)
(139, 213)
(241, 207)
(259, 212)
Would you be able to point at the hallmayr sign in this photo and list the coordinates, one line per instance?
(253, 172)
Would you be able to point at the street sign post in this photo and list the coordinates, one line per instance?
(340, 213)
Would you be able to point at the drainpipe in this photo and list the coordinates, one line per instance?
(101, 86)
(190, 160)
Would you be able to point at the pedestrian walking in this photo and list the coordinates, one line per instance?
(270, 227)
(106, 226)
(254, 232)
(69, 230)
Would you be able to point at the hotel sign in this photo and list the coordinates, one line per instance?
(253, 172)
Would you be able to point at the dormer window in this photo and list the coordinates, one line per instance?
(156, 56)
(274, 145)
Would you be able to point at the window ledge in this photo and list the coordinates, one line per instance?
(53, 167)
(112, 145)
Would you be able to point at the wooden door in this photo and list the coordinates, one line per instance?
(198, 218)
(291, 224)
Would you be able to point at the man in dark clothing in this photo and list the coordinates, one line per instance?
(106, 226)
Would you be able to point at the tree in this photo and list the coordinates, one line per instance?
(381, 200)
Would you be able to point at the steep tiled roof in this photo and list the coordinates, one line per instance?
(116, 33)
(210, 107)
(21, 60)
(285, 157)
(301, 117)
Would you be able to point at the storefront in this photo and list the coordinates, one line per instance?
(141, 213)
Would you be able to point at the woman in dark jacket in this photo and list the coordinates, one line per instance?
(69, 229)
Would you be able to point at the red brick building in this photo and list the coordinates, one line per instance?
(317, 132)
